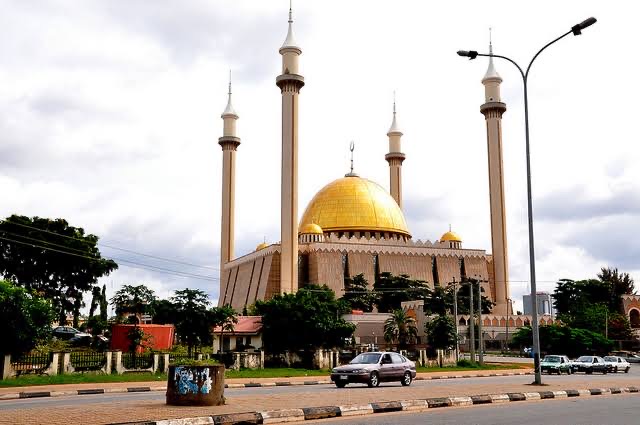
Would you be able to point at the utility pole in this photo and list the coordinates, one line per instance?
(455, 315)
(606, 324)
(472, 324)
(480, 339)
(506, 341)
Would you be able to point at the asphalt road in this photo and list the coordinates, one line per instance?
(595, 410)
(574, 381)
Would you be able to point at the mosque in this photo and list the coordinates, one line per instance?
(354, 225)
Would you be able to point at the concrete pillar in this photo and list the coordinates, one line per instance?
(165, 367)
(7, 370)
(261, 359)
(119, 366)
(53, 367)
(66, 363)
(107, 367)
(156, 363)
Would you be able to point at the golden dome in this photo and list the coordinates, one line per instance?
(355, 204)
(262, 245)
(311, 229)
(450, 236)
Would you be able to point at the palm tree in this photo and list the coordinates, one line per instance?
(400, 328)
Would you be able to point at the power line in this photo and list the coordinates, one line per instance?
(114, 247)
(128, 263)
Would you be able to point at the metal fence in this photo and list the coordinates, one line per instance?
(137, 361)
(32, 363)
(87, 360)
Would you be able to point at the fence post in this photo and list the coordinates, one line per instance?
(53, 367)
(119, 367)
(7, 370)
(66, 363)
(107, 367)
(236, 361)
(199, 356)
(261, 359)
(156, 363)
(165, 364)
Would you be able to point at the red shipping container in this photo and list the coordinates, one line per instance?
(158, 337)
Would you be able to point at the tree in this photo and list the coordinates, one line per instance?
(619, 328)
(164, 312)
(193, 319)
(619, 283)
(104, 304)
(26, 316)
(391, 291)
(441, 332)
(564, 339)
(357, 293)
(57, 261)
(226, 318)
(463, 298)
(400, 328)
(134, 300)
(440, 300)
(309, 319)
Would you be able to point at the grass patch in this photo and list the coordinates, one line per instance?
(81, 378)
(282, 372)
(466, 366)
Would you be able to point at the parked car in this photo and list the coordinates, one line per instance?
(374, 367)
(627, 355)
(590, 364)
(556, 364)
(67, 332)
(616, 363)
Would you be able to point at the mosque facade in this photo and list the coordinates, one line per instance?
(353, 225)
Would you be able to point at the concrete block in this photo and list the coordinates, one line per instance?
(480, 399)
(560, 394)
(386, 406)
(237, 418)
(321, 412)
(438, 402)
(282, 415)
(532, 396)
(545, 394)
(414, 405)
(201, 420)
(35, 394)
(516, 397)
(595, 391)
(9, 396)
(584, 392)
(460, 401)
(572, 393)
(356, 409)
(499, 398)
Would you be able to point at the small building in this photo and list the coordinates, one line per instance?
(544, 301)
(246, 335)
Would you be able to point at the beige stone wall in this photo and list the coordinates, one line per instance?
(448, 269)
(242, 284)
(330, 271)
(362, 262)
(273, 282)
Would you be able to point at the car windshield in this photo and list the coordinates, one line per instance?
(610, 359)
(366, 358)
(552, 359)
(585, 359)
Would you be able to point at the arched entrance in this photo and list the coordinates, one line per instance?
(634, 318)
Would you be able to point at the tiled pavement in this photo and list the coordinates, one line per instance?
(139, 410)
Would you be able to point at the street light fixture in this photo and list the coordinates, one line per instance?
(472, 54)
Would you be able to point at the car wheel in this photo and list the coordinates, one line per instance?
(374, 380)
(588, 371)
(626, 370)
(340, 384)
(604, 371)
(406, 379)
(559, 371)
(569, 371)
(615, 369)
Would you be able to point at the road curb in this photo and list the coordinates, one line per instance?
(94, 391)
(325, 412)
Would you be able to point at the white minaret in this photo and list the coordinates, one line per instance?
(395, 157)
(290, 83)
(229, 143)
(493, 108)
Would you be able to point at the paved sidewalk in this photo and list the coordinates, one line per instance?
(149, 410)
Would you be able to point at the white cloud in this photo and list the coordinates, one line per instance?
(110, 118)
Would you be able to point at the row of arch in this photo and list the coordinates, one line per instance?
(517, 322)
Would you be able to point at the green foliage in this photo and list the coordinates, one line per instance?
(441, 332)
(184, 361)
(193, 319)
(57, 261)
(559, 339)
(392, 290)
(619, 328)
(357, 293)
(309, 319)
(25, 316)
(400, 328)
(226, 318)
(104, 304)
(463, 298)
(164, 312)
(619, 284)
(136, 300)
(137, 338)
(96, 326)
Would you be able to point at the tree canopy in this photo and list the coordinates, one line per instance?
(133, 299)
(56, 260)
(309, 319)
(441, 332)
(391, 291)
(25, 316)
(400, 328)
(560, 339)
(193, 319)
(357, 293)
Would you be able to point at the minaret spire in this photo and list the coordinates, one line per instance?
(352, 146)
(290, 83)
(395, 157)
(229, 143)
(492, 109)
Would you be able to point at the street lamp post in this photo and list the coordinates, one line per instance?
(472, 54)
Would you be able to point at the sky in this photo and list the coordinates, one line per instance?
(110, 117)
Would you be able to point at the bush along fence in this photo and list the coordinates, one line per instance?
(79, 362)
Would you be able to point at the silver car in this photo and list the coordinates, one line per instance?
(615, 363)
(375, 367)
